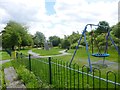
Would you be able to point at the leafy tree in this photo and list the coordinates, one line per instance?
(0, 41)
(116, 30)
(27, 40)
(98, 35)
(65, 44)
(39, 39)
(103, 28)
(14, 35)
(55, 40)
(74, 37)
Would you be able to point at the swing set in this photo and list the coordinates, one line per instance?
(98, 54)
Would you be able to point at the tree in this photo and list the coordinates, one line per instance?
(27, 40)
(14, 35)
(0, 41)
(39, 39)
(65, 43)
(103, 28)
(74, 37)
(55, 40)
(116, 30)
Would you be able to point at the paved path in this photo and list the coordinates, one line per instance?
(36, 55)
(4, 61)
(11, 79)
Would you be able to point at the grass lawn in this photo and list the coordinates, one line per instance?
(4, 55)
(82, 59)
(40, 68)
(81, 56)
(25, 51)
(52, 51)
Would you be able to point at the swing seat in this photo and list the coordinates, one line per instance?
(100, 55)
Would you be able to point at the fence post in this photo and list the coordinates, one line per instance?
(50, 71)
(29, 62)
(16, 55)
(21, 55)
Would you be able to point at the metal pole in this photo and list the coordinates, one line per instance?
(50, 71)
(114, 45)
(88, 53)
(29, 62)
(77, 46)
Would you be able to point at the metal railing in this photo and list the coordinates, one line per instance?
(58, 74)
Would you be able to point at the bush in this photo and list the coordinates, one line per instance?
(28, 77)
(73, 46)
(65, 44)
(3, 85)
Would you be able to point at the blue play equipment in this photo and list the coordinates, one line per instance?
(102, 55)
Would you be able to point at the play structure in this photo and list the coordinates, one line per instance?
(98, 54)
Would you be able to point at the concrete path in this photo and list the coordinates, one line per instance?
(11, 79)
(4, 61)
(36, 55)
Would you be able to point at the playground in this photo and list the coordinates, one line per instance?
(90, 55)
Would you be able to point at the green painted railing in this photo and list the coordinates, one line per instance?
(58, 74)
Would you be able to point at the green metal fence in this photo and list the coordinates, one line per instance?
(58, 74)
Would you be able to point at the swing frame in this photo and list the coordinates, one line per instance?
(87, 51)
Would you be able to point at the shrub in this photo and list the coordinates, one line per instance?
(28, 77)
(73, 46)
(2, 80)
(65, 44)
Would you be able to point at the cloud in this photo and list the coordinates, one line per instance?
(69, 16)
(20, 11)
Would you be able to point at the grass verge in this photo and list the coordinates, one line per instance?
(4, 55)
(52, 51)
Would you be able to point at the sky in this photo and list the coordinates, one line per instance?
(58, 17)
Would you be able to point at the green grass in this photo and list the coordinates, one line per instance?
(4, 55)
(25, 51)
(81, 56)
(0, 77)
(82, 59)
(41, 69)
(52, 51)
(61, 76)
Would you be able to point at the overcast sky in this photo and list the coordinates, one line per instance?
(58, 17)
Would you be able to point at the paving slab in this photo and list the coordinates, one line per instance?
(11, 79)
